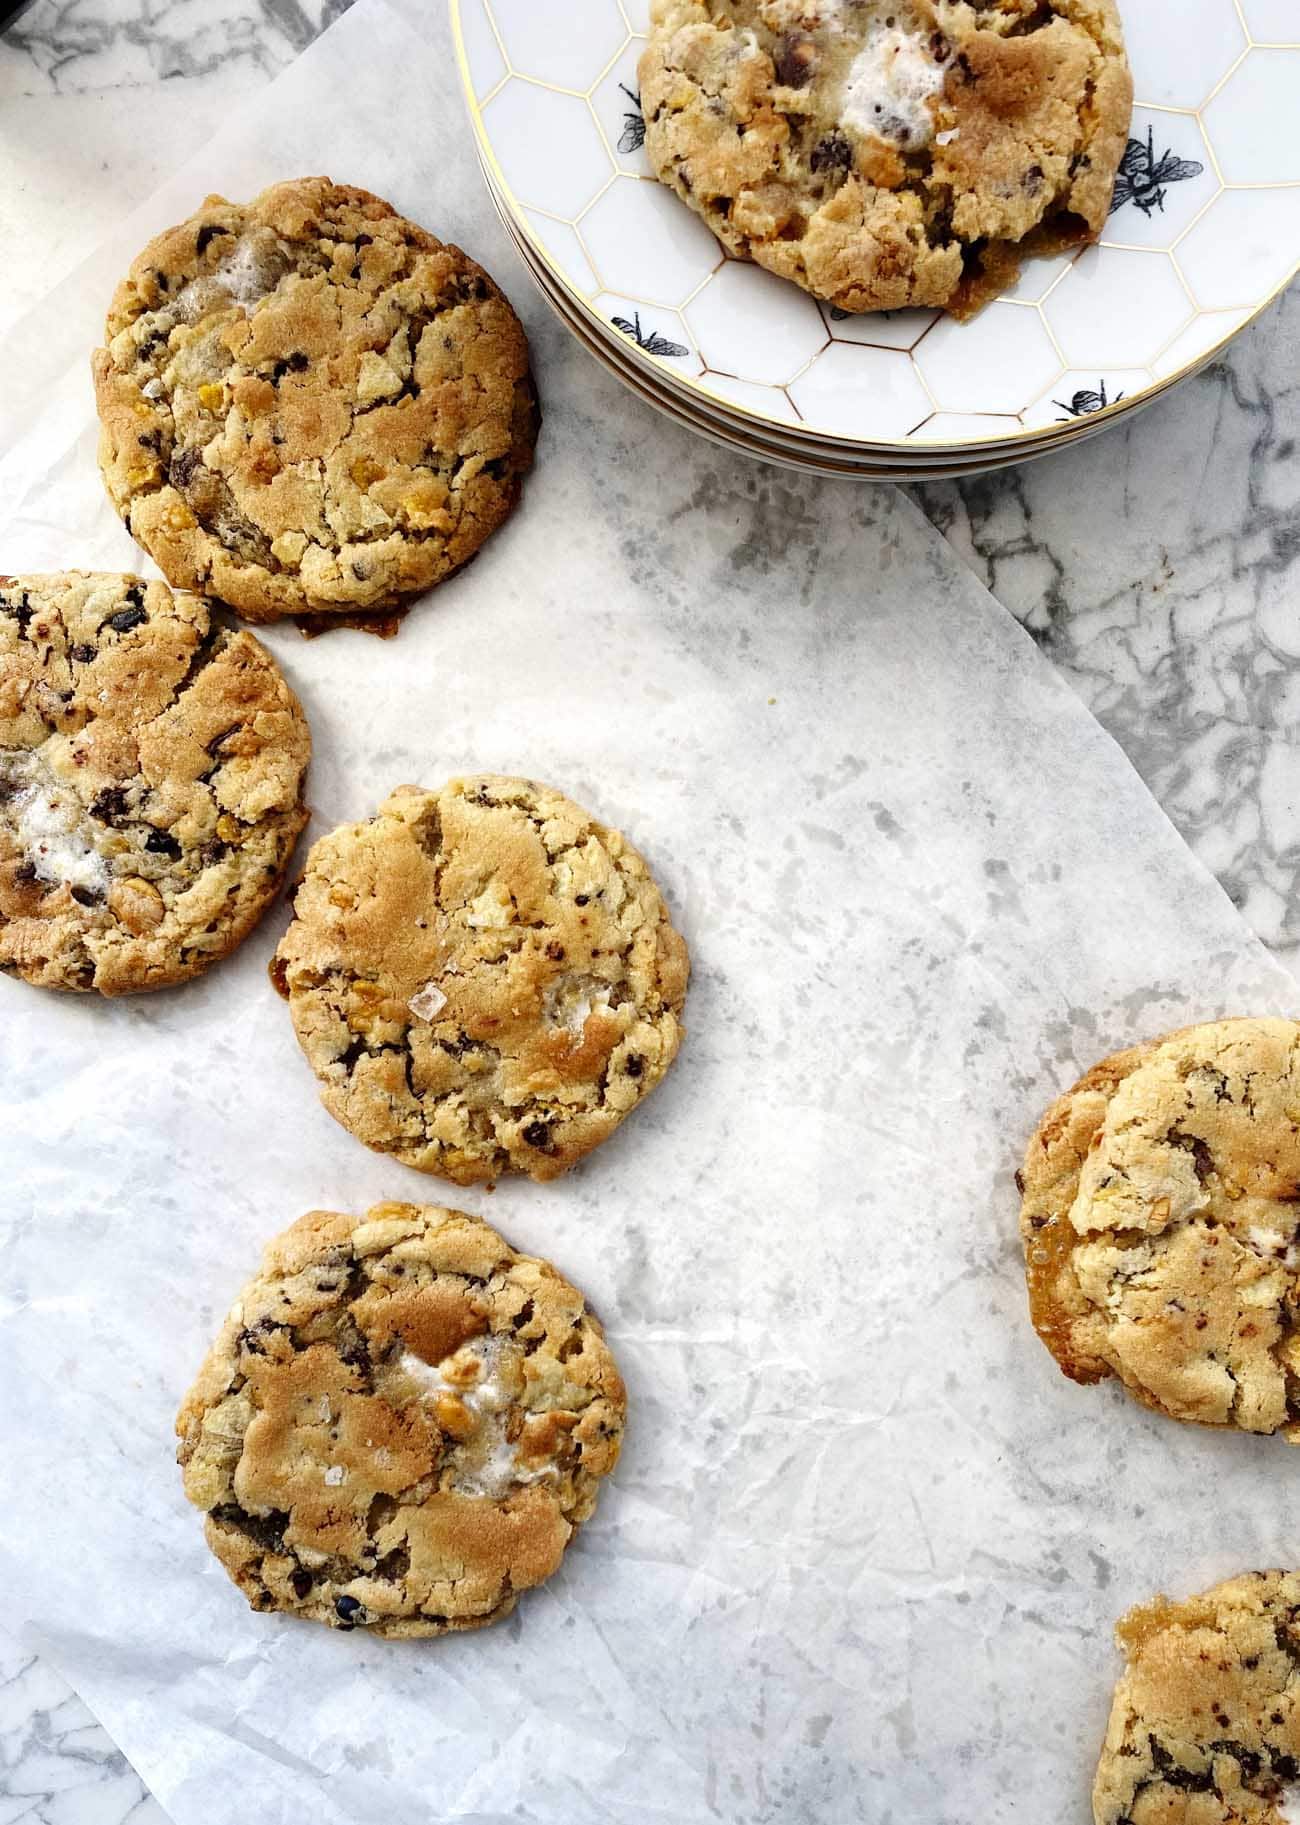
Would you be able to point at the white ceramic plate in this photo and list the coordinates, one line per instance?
(1204, 234)
(772, 443)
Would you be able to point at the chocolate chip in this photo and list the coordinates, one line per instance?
(1020, 1182)
(19, 609)
(795, 60)
(82, 654)
(267, 1530)
(302, 1582)
(25, 873)
(1250, 1760)
(555, 952)
(207, 234)
(581, 899)
(634, 1064)
(126, 619)
(832, 153)
(296, 363)
(940, 49)
(1174, 1776)
(86, 896)
(109, 804)
(538, 1134)
(184, 466)
(162, 842)
(255, 1337)
(354, 1352)
(347, 1609)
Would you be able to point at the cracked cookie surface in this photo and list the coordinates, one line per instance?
(1205, 1725)
(401, 1425)
(888, 155)
(484, 979)
(309, 406)
(151, 779)
(1161, 1225)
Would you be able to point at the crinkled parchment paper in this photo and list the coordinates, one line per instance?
(862, 1554)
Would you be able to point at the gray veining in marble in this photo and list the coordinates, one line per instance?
(57, 1767)
(1158, 566)
(61, 46)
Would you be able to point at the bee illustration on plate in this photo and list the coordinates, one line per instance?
(1085, 402)
(649, 340)
(1143, 178)
(632, 138)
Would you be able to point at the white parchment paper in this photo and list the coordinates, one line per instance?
(861, 1557)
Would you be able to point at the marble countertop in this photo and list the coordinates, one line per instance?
(1158, 565)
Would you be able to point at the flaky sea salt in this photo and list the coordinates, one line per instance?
(428, 1003)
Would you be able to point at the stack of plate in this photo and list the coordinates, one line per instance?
(1203, 234)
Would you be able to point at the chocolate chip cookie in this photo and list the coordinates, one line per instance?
(1161, 1225)
(484, 979)
(151, 779)
(1205, 1727)
(402, 1424)
(310, 406)
(884, 153)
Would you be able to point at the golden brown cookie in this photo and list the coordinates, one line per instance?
(1161, 1224)
(402, 1424)
(310, 406)
(151, 779)
(1205, 1727)
(884, 154)
(484, 979)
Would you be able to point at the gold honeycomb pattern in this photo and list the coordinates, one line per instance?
(1204, 232)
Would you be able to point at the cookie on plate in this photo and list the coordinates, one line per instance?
(884, 153)
(1205, 1726)
(310, 406)
(401, 1425)
(484, 979)
(1161, 1224)
(151, 780)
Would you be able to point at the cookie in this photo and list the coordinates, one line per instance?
(402, 1424)
(151, 779)
(310, 406)
(889, 154)
(1161, 1225)
(1205, 1727)
(484, 979)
